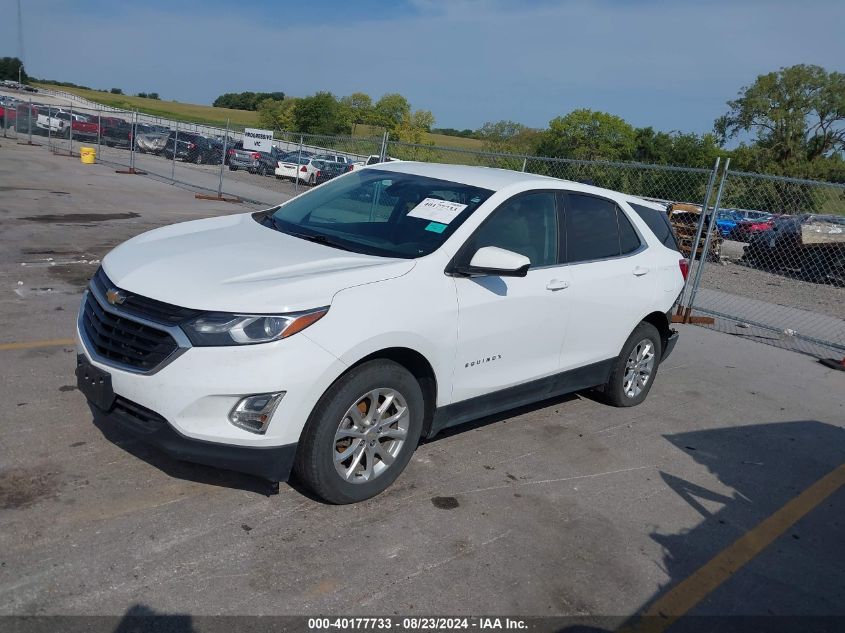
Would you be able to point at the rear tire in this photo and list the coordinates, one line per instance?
(635, 369)
(345, 422)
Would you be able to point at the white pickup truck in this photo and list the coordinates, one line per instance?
(61, 123)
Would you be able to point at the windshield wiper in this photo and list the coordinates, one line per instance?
(320, 239)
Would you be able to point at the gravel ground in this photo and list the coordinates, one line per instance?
(736, 278)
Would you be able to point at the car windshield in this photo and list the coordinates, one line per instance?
(376, 212)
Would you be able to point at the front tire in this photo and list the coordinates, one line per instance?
(362, 433)
(635, 369)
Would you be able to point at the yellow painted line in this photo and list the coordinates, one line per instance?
(54, 342)
(689, 592)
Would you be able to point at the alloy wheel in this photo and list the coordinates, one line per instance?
(371, 435)
(638, 368)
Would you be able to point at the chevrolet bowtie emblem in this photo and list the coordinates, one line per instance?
(115, 296)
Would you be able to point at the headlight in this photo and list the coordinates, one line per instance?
(218, 328)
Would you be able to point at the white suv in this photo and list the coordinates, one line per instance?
(329, 334)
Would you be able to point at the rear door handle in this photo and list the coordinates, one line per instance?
(557, 284)
(639, 271)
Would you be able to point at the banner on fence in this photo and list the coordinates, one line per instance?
(258, 140)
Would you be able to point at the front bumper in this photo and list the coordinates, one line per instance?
(189, 397)
(273, 463)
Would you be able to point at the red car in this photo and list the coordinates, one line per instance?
(746, 229)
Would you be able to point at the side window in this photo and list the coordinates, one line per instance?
(592, 231)
(658, 222)
(629, 241)
(525, 224)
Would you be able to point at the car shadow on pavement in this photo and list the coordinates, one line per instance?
(187, 471)
(797, 580)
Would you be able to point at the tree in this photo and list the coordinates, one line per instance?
(501, 136)
(797, 115)
(358, 106)
(317, 114)
(588, 135)
(116, 91)
(389, 111)
(143, 95)
(153, 95)
(245, 100)
(675, 148)
(9, 69)
(413, 127)
(278, 115)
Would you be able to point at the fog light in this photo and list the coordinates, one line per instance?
(253, 413)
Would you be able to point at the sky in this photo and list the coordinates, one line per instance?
(671, 65)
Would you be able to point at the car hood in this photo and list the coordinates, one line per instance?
(234, 264)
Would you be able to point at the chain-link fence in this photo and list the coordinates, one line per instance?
(771, 268)
(781, 275)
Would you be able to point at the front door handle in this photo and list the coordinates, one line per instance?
(639, 271)
(557, 284)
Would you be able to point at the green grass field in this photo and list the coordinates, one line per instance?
(189, 112)
(440, 140)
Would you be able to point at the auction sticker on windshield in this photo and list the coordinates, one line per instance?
(437, 210)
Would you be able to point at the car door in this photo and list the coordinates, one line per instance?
(612, 279)
(510, 329)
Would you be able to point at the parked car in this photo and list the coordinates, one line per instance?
(8, 114)
(328, 337)
(66, 124)
(261, 163)
(334, 158)
(298, 168)
(193, 148)
(326, 170)
(745, 229)
(810, 247)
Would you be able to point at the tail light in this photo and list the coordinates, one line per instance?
(349, 167)
(256, 156)
(683, 264)
(303, 168)
(318, 174)
(191, 145)
(761, 226)
(231, 152)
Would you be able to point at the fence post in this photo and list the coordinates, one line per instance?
(524, 163)
(710, 226)
(711, 181)
(99, 128)
(29, 120)
(175, 145)
(132, 141)
(5, 116)
(50, 127)
(298, 161)
(383, 153)
(223, 161)
(70, 133)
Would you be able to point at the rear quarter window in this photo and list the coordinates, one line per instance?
(658, 222)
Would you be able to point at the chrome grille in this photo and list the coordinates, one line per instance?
(123, 341)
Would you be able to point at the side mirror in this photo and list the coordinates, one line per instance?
(492, 260)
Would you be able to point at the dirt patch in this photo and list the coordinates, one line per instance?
(78, 275)
(23, 487)
(445, 503)
(64, 218)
